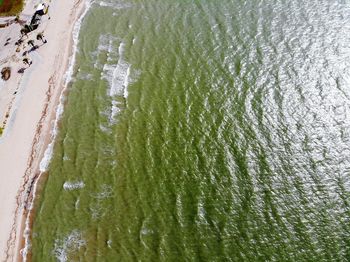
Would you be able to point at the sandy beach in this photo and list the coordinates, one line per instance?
(28, 103)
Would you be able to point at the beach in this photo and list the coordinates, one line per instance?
(28, 104)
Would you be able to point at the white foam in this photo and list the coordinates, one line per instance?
(126, 82)
(44, 163)
(117, 74)
(68, 186)
(63, 247)
(75, 37)
(86, 76)
(105, 129)
(114, 111)
(109, 243)
(105, 192)
(96, 211)
(114, 5)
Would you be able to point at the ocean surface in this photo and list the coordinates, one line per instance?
(201, 130)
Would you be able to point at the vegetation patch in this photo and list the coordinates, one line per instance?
(1, 128)
(10, 7)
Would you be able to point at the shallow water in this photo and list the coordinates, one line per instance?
(203, 130)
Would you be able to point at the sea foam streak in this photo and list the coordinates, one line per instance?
(116, 70)
(114, 5)
(117, 76)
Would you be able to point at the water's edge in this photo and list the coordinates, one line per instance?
(39, 180)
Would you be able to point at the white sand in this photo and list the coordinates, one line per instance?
(30, 112)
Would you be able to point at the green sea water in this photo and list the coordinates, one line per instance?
(201, 130)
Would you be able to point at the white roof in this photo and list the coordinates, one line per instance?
(40, 7)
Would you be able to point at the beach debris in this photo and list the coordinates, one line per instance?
(27, 61)
(40, 37)
(7, 41)
(24, 31)
(19, 42)
(33, 47)
(21, 70)
(6, 73)
(31, 43)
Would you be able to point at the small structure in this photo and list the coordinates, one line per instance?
(40, 10)
(36, 19)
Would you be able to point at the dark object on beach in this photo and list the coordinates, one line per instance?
(27, 61)
(36, 19)
(7, 41)
(6, 73)
(31, 43)
(24, 31)
(28, 28)
(40, 37)
(20, 41)
(21, 71)
(40, 12)
(33, 48)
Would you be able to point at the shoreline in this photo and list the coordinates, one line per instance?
(44, 159)
(65, 15)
